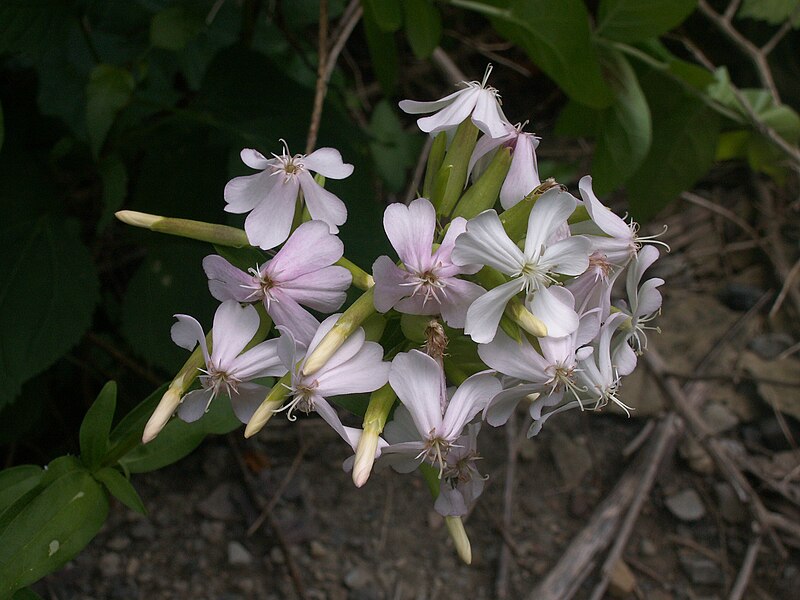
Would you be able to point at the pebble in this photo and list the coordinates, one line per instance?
(622, 581)
(118, 542)
(110, 565)
(276, 556)
(357, 578)
(238, 555)
(730, 507)
(647, 547)
(218, 505)
(317, 549)
(700, 569)
(143, 530)
(686, 505)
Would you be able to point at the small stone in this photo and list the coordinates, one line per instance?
(730, 507)
(118, 542)
(132, 568)
(700, 569)
(694, 454)
(686, 505)
(213, 531)
(218, 505)
(647, 547)
(621, 580)
(276, 556)
(143, 530)
(238, 555)
(110, 565)
(358, 578)
(317, 549)
(770, 345)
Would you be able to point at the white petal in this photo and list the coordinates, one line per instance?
(187, 333)
(234, 327)
(310, 248)
(254, 159)
(226, 282)
(261, 360)
(483, 315)
(243, 194)
(417, 380)
(624, 359)
(247, 399)
(328, 163)
(414, 107)
(649, 298)
(487, 115)
(271, 221)
(568, 257)
(515, 359)
(553, 306)
(486, 243)
(460, 296)
(410, 230)
(602, 216)
(388, 284)
(323, 205)
(363, 372)
(194, 404)
(470, 398)
(503, 404)
(523, 176)
(551, 210)
(485, 145)
(452, 115)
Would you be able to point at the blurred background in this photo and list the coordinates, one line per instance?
(684, 113)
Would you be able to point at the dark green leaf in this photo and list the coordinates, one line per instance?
(31, 27)
(16, 482)
(625, 131)
(115, 188)
(577, 120)
(393, 150)
(387, 14)
(96, 426)
(169, 282)
(172, 28)
(50, 529)
(637, 20)
(121, 488)
(774, 12)
(354, 403)
(132, 424)
(556, 36)
(48, 291)
(382, 51)
(26, 594)
(423, 26)
(109, 90)
(685, 133)
(178, 439)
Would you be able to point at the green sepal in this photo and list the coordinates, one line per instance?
(435, 160)
(456, 161)
(483, 194)
(431, 477)
(414, 326)
(381, 402)
(373, 327)
(121, 488)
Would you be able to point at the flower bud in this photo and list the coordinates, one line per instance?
(195, 230)
(271, 404)
(169, 402)
(380, 404)
(459, 535)
(484, 192)
(455, 165)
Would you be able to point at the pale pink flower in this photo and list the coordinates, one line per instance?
(428, 283)
(271, 195)
(302, 273)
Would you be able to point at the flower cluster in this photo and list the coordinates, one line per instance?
(530, 286)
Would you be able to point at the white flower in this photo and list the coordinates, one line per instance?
(272, 194)
(477, 100)
(486, 242)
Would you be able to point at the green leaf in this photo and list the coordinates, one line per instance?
(169, 282)
(16, 482)
(774, 12)
(243, 258)
(96, 426)
(625, 131)
(55, 523)
(393, 150)
(48, 290)
(387, 14)
(382, 50)
(26, 594)
(108, 91)
(685, 133)
(733, 144)
(132, 424)
(423, 26)
(178, 439)
(121, 488)
(32, 28)
(636, 20)
(556, 36)
(354, 403)
(115, 188)
(577, 120)
(174, 27)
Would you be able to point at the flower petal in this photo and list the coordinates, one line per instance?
(488, 116)
(328, 163)
(363, 372)
(254, 159)
(523, 176)
(460, 296)
(226, 282)
(414, 107)
(418, 380)
(551, 210)
(323, 290)
(388, 284)
(243, 194)
(322, 205)
(470, 398)
(483, 315)
(234, 327)
(194, 405)
(271, 221)
(310, 248)
(290, 315)
(503, 404)
(451, 115)
(485, 145)
(515, 359)
(554, 306)
(568, 257)
(247, 399)
(410, 230)
(261, 360)
(601, 215)
(486, 243)
(187, 333)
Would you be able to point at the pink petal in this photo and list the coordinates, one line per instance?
(483, 316)
(417, 380)
(486, 243)
(271, 221)
(388, 284)
(323, 290)
(194, 404)
(290, 315)
(460, 295)
(328, 163)
(247, 399)
(523, 176)
(410, 230)
(254, 159)
(310, 248)
(470, 398)
(243, 194)
(322, 205)
(261, 360)
(226, 282)
(187, 333)
(363, 372)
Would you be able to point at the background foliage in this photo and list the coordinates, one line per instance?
(145, 105)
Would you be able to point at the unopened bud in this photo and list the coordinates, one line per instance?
(271, 404)
(459, 536)
(365, 455)
(196, 230)
(169, 402)
(525, 319)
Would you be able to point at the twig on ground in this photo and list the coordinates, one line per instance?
(501, 585)
(261, 502)
(746, 570)
(298, 459)
(641, 437)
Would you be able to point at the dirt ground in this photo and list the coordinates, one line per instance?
(384, 541)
